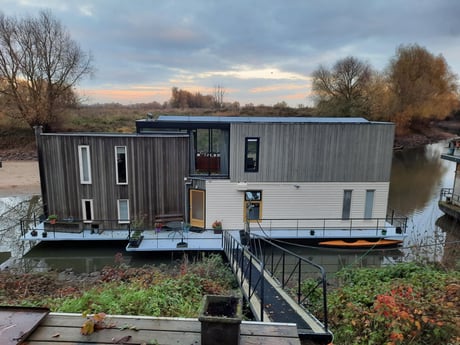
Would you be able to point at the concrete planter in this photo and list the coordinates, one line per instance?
(220, 319)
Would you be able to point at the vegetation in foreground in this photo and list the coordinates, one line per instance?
(400, 304)
(175, 290)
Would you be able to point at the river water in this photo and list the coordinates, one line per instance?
(416, 179)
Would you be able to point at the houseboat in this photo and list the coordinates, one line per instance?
(449, 200)
(280, 177)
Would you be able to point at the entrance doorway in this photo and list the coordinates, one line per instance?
(197, 199)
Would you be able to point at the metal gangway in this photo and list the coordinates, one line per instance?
(279, 285)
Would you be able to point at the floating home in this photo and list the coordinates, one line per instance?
(281, 177)
(449, 201)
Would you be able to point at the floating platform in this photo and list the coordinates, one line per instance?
(360, 243)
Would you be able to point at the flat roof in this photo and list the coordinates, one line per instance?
(256, 119)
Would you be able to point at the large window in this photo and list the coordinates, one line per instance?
(84, 160)
(252, 206)
(121, 167)
(251, 155)
(123, 211)
(87, 207)
(369, 205)
(346, 206)
(210, 151)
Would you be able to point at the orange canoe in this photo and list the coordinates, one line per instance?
(360, 243)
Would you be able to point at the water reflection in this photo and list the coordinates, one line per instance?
(416, 177)
(450, 227)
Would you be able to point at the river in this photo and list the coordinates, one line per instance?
(416, 179)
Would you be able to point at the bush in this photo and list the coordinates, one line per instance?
(401, 304)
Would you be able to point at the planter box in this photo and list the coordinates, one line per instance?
(135, 242)
(220, 319)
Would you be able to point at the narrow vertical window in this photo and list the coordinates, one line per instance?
(87, 208)
(84, 160)
(369, 205)
(123, 211)
(251, 155)
(121, 168)
(346, 207)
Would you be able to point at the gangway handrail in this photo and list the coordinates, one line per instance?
(237, 252)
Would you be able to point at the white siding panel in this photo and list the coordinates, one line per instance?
(292, 201)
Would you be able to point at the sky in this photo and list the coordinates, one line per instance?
(259, 52)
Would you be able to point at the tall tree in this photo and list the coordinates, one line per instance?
(342, 90)
(422, 84)
(40, 64)
(219, 93)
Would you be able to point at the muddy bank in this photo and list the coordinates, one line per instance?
(437, 131)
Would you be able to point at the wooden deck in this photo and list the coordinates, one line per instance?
(61, 329)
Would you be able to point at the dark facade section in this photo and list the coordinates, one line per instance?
(314, 152)
(155, 169)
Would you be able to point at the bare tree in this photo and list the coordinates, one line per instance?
(40, 65)
(342, 90)
(219, 93)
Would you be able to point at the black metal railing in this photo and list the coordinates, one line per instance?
(290, 270)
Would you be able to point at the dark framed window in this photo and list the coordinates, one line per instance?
(251, 155)
(121, 168)
(346, 206)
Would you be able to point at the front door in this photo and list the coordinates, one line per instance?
(197, 199)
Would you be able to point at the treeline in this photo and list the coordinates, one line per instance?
(415, 88)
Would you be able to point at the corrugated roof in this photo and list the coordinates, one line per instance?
(260, 119)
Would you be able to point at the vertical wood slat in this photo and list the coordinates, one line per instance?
(315, 152)
(157, 166)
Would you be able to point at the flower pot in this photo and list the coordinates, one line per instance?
(217, 230)
(34, 233)
(44, 234)
(220, 319)
(52, 221)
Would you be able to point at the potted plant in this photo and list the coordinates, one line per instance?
(217, 226)
(44, 234)
(136, 238)
(158, 227)
(34, 233)
(52, 218)
(220, 318)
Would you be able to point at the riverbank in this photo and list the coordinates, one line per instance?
(437, 131)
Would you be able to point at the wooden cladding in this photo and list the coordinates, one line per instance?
(314, 152)
(155, 171)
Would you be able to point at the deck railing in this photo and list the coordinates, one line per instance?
(295, 274)
(319, 226)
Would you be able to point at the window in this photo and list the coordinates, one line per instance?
(252, 206)
(123, 211)
(84, 161)
(251, 155)
(210, 151)
(369, 206)
(121, 168)
(346, 207)
(87, 207)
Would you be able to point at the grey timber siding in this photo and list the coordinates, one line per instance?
(156, 167)
(314, 152)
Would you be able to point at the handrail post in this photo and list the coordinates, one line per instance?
(262, 286)
(299, 281)
(283, 269)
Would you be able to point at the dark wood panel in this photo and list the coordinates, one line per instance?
(156, 166)
(315, 152)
